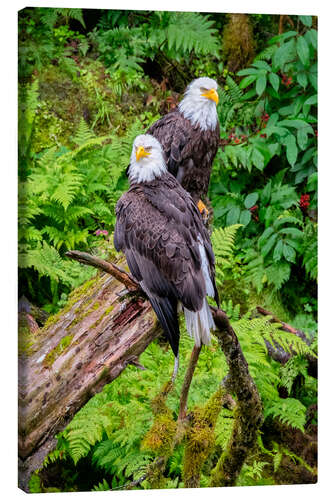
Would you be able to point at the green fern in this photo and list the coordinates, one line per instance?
(295, 366)
(234, 92)
(71, 14)
(289, 411)
(223, 241)
(83, 133)
(266, 54)
(233, 312)
(189, 31)
(68, 195)
(102, 486)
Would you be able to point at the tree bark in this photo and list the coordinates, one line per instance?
(72, 357)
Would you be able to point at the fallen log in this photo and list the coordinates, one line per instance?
(79, 350)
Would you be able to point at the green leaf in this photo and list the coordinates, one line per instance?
(297, 124)
(249, 71)
(245, 217)
(261, 84)
(282, 37)
(284, 220)
(294, 243)
(312, 184)
(266, 193)
(247, 81)
(269, 245)
(296, 233)
(233, 216)
(285, 53)
(302, 79)
(311, 101)
(274, 81)
(266, 234)
(289, 253)
(306, 20)
(248, 95)
(292, 151)
(303, 50)
(313, 75)
(257, 159)
(302, 138)
(262, 65)
(277, 254)
(312, 37)
(250, 200)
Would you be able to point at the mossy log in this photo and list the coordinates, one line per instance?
(78, 351)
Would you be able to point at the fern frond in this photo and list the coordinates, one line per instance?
(71, 14)
(234, 91)
(102, 486)
(266, 54)
(223, 241)
(189, 31)
(289, 411)
(83, 133)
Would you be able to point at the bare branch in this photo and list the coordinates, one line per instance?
(115, 271)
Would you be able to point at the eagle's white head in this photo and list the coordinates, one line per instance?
(147, 159)
(199, 103)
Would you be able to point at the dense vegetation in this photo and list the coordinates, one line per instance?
(89, 82)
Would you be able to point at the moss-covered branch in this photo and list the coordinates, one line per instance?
(248, 413)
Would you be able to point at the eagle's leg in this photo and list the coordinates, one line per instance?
(187, 381)
(175, 369)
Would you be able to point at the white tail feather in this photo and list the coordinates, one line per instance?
(199, 324)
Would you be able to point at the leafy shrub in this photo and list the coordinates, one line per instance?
(110, 428)
(66, 198)
(270, 130)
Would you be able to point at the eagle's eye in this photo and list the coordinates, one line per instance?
(148, 148)
(203, 89)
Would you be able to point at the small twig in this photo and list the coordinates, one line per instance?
(278, 354)
(115, 271)
(285, 326)
(187, 382)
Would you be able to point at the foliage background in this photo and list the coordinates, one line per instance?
(89, 82)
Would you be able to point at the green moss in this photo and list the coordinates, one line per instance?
(105, 313)
(200, 439)
(160, 438)
(64, 343)
(81, 290)
(26, 338)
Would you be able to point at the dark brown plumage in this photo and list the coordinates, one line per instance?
(189, 151)
(158, 227)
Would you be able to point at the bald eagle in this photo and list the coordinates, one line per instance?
(166, 244)
(190, 135)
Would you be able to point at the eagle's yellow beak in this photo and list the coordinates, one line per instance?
(141, 152)
(211, 94)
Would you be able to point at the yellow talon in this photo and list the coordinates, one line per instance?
(203, 209)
